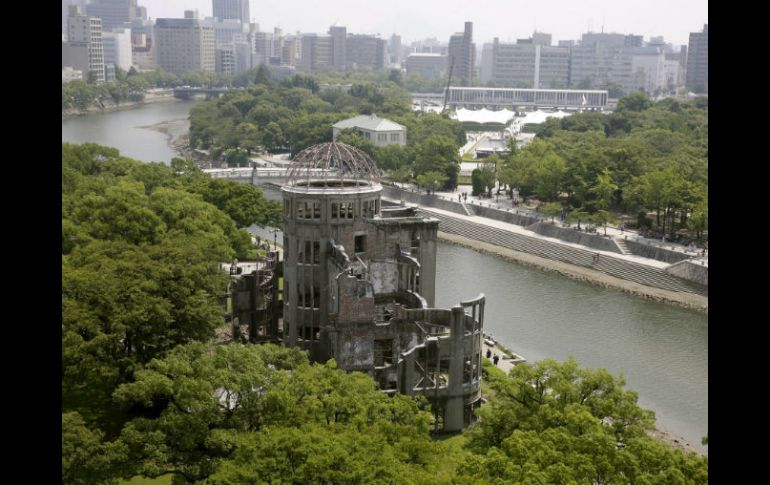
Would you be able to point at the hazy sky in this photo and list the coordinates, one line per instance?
(506, 19)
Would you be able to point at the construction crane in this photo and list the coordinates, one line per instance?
(448, 81)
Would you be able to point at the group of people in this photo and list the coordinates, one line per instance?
(462, 197)
(495, 359)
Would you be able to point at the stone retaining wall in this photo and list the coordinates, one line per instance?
(691, 271)
(574, 236)
(501, 215)
(653, 252)
(422, 199)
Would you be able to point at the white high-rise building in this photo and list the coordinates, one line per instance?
(649, 68)
(117, 48)
(86, 31)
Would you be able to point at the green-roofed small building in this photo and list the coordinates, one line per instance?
(379, 131)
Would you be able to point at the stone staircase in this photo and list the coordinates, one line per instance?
(467, 211)
(622, 245)
(626, 270)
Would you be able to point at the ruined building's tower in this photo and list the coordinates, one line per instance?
(359, 286)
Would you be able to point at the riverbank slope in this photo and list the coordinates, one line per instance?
(690, 301)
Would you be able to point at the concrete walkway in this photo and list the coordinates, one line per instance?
(504, 363)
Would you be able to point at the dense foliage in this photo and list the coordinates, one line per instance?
(643, 156)
(131, 86)
(140, 243)
(296, 113)
(555, 423)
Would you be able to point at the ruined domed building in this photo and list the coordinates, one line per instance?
(359, 286)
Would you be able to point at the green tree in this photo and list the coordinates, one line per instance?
(432, 181)
(439, 154)
(554, 422)
(85, 459)
(262, 75)
(636, 101)
(551, 209)
(487, 176)
(218, 410)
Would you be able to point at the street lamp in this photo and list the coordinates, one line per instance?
(275, 238)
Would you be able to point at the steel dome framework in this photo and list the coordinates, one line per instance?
(332, 164)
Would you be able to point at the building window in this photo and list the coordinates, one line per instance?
(308, 252)
(316, 252)
(360, 244)
(394, 137)
(316, 210)
(383, 352)
(334, 210)
(382, 137)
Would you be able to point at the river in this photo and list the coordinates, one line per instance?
(661, 350)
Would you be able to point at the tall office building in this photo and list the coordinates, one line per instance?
(697, 75)
(290, 51)
(485, 70)
(84, 33)
(603, 58)
(227, 31)
(462, 51)
(526, 64)
(231, 9)
(426, 65)
(316, 52)
(394, 48)
(674, 70)
(114, 13)
(339, 47)
(65, 9)
(183, 45)
(365, 52)
(264, 46)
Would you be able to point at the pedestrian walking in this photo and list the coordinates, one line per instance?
(496, 359)
(489, 353)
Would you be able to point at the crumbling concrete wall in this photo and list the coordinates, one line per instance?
(384, 276)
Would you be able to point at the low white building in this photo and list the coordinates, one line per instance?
(68, 74)
(379, 131)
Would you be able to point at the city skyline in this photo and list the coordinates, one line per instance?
(564, 19)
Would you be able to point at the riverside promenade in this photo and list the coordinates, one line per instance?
(654, 272)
